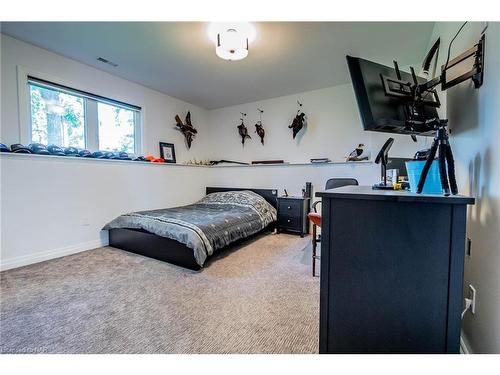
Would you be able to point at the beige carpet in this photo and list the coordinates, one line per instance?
(257, 298)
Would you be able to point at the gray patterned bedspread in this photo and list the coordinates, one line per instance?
(210, 224)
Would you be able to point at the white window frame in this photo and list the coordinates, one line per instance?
(90, 110)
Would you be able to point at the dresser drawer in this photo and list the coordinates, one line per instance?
(289, 207)
(290, 222)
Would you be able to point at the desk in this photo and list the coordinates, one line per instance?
(391, 271)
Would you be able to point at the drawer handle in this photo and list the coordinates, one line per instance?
(289, 207)
(288, 220)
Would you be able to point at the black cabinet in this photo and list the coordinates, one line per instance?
(391, 271)
(292, 214)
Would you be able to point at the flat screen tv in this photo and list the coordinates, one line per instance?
(380, 112)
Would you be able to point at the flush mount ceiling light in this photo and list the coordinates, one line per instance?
(231, 39)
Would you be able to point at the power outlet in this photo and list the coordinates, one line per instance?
(472, 296)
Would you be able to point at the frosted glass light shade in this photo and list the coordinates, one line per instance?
(231, 45)
(231, 40)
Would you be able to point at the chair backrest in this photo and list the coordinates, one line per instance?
(333, 183)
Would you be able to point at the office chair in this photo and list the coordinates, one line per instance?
(315, 217)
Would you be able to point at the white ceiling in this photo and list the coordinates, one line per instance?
(177, 58)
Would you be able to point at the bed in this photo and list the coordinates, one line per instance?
(189, 235)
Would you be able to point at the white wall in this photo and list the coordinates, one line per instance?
(475, 123)
(56, 206)
(293, 177)
(333, 130)
(158, 109)
(53, 206)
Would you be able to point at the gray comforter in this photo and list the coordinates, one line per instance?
(210, 224)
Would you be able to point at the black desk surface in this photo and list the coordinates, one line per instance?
(367, 193)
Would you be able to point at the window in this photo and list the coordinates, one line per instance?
(57, 118)
(67, 117)
(116, 128)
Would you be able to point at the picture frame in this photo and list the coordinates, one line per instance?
(167, 152)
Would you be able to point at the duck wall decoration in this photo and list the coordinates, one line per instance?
(259, 128)
(186, 129)
(299, 120)
(242, 129)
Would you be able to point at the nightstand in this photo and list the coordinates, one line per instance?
(292, 214)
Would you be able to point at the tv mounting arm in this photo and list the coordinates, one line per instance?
(425, 93)
(476, 73)
(417, 95)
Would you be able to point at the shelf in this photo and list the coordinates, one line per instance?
(92, 160)
(292, 164)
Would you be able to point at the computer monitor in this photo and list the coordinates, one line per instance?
(399, 164)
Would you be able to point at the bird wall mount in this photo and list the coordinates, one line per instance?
(186, 129)
(242, 129)
(259, 128)
(358, 154)
(299, 120)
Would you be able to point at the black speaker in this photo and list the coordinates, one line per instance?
(308, 190)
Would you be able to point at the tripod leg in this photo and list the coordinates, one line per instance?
(427, 166)
(451, 170)
(442, 169)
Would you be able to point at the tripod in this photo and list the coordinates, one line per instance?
(442, 145)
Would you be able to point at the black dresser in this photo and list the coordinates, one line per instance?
(391, 271)
(292, 214)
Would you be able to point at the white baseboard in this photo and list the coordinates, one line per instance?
(50, 254)
(464, 345)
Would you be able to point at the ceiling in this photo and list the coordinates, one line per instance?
(178, 59)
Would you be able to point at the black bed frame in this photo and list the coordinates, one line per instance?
(168, 250)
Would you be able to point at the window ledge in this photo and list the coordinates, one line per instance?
(72, 159)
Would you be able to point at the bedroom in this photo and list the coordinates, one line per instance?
(159, 108)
